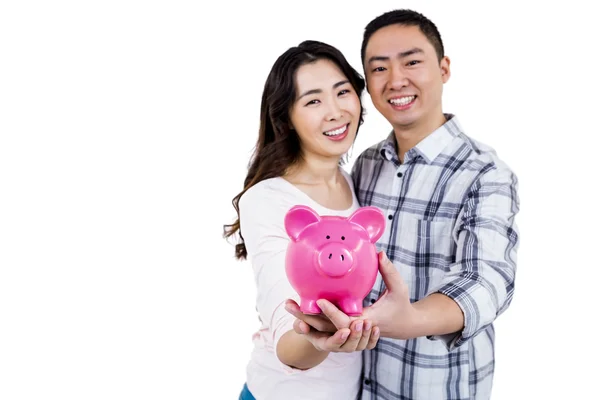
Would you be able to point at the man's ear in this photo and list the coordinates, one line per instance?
(445, 69)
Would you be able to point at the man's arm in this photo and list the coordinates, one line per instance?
(482, 280)
(480, 284)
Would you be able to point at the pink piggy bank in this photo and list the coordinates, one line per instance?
(332, 257)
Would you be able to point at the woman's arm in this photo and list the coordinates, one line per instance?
(262, 213)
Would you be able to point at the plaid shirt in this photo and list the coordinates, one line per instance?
(450, 210)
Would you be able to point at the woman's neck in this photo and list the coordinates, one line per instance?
(314, 171)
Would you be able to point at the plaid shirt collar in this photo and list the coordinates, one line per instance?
(429, 148)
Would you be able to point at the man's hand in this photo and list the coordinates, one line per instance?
(393, 312)
(398, 318)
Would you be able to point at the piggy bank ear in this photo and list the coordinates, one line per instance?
(370, 218)
(298, 218)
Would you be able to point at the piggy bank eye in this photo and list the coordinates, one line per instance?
(343, 238)
(328, 237)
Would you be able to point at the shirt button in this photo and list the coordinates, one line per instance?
(367, 381)
(399, 174)
(390, 217)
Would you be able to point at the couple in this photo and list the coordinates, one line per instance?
(447, 257)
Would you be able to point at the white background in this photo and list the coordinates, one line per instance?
(126, 128)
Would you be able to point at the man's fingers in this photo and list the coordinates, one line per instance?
(391, 277)
(366, 335)
(337, 317)
(356, 328)
(373, 339)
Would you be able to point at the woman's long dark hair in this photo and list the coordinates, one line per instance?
(278, 146)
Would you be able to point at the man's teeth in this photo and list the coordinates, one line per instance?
(336, 132)
(402, 101)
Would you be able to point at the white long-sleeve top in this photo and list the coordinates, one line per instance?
(262, 211)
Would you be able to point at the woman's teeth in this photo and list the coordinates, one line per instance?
(336, 132)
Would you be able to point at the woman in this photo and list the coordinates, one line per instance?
(310, 115)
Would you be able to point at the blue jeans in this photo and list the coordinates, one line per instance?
(246, 395)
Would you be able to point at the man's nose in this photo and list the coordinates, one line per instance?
(398, 78)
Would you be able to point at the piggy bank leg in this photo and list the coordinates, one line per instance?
(309, 306)
(351, 307)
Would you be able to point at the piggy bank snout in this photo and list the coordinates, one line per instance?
(335, 260)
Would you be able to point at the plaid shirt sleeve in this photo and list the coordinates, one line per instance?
(482, 280)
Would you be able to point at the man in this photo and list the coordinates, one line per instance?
(450, 205)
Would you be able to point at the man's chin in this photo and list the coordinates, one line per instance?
(406, 122)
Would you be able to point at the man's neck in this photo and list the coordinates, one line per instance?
(408, 137)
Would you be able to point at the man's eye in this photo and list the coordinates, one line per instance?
(379, 69)
(413, 62)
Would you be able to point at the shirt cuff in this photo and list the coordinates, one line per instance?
(477, 306)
